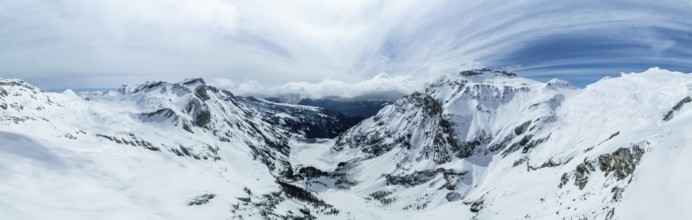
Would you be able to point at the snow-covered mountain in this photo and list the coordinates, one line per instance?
(479, 144)
(490, 145)
(152, 151)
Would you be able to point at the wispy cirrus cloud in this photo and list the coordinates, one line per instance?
(290, 44)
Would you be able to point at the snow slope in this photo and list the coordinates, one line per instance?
(479, 144)
(490, 145)
(151, 151)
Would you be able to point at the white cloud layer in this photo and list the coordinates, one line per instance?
(381, 86)
(338, 44)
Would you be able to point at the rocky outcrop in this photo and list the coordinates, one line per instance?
(199, 111)
(383, 196)
(676, 108)
(266, 205)
(621, 164)
(339, 178)
(160, 115)
(486, 71)
(438, 139)
(547, 164)
(132, 140)
(476, 206)
(413, 179)
(195, 107)
(201, 199)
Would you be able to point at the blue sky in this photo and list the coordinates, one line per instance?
(310, 47)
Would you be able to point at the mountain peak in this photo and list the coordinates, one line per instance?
(487, 72)
(193, 81)
(196, 85)
(559, 83)
(483, 76)
(146, 86)
(8, 83)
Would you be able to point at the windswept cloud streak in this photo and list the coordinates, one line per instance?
(381, 86)
(293, 44)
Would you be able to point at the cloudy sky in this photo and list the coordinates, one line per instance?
(351, 48)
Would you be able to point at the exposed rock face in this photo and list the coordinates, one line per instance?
(195, 107)
(201, 92)
(581, 176)
(201, 199)
(477, 206)
(160, 115)
(486, 71)
(267, 205)
(339, 178)
(383, 196)
(130, 139)
(548, 164)
(453, 196)
(427, 119)
(441, 139)
(676, 108)
(416, 178)
(199, 111)
(621, 163)
(449, 123)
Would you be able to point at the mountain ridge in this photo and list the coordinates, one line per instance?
(481, 144)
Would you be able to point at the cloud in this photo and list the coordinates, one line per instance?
(106, 43)
(381, 86)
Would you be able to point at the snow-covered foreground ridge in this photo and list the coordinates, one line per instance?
(479, 144)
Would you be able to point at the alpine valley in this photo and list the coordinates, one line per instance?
(479, 144)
